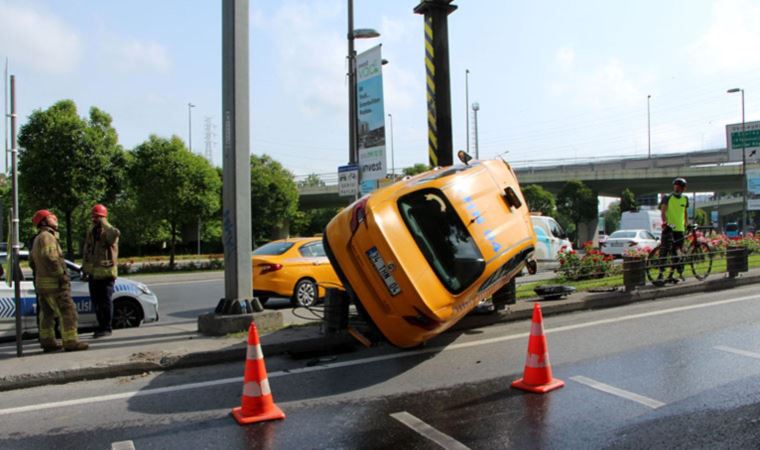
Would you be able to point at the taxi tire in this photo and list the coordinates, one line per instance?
(306, 285)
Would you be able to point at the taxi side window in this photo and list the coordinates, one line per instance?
(312, 250)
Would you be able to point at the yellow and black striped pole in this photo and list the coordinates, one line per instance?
(438, 85)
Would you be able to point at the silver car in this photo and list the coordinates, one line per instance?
(133, 302)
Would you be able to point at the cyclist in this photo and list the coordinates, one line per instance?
(674, 208)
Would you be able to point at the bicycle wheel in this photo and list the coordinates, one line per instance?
(700, 258)
(659, 266)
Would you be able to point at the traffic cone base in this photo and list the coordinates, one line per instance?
(274, 413)
(538, 389)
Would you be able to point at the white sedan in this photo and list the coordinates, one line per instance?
(133, 302)
(622, 240)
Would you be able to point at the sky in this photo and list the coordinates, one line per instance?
(555, 80)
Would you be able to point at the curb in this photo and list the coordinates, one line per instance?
(237, 352)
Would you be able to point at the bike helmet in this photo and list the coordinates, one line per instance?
(680, 181)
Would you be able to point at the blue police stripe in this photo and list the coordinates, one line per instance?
(29, 306)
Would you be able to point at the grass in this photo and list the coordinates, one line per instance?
(526, 290)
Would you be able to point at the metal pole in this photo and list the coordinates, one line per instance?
(14, 224)
(393, 163)
(744, 173)
(199, 235)
(352, 156)
(475, 108)
(5, 114)
(190, 107)
(649, 129)
(236, 215)
(467, 105)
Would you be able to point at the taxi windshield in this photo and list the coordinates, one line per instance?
(442, 238)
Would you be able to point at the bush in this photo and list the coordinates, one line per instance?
(593, 263)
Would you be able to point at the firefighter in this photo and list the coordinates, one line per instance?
(53, 287)
(101, 253)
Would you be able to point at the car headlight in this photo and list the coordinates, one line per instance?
(143, 288)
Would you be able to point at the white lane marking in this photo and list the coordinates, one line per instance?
(442, 439)
(370, 360)
(646, 401)
(737, 351)
(123, 445)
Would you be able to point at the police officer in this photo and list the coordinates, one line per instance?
(53, 287)
(101, 253)
(675, 218)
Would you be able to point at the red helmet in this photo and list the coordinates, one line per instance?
(41, 215)
(99, 210)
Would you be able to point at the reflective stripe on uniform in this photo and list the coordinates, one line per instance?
(254, 352)
(47, 283)
(254, 389)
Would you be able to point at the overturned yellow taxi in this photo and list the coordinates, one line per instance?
(418, 255)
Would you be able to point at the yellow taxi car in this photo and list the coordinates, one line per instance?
(296, 268)
(418, 255)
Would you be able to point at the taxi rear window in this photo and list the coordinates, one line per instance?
(273, 248)
(442, 238)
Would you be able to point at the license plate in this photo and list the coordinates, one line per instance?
(383, 271)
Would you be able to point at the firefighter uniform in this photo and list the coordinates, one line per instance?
(101, 252)
(53, 287)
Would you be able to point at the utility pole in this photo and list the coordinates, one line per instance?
(475, 109)
(744, 164)
(16, 274)
(436, 12)
(236, 213)
(190, 107)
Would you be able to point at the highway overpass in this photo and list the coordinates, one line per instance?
(706, 171)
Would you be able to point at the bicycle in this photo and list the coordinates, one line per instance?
(698, 255)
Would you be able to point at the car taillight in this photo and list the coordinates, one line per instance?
(358, 214)
(423, 321)
(266, 268)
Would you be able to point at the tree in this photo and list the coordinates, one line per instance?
(578, 203)
(274, 197)
(701, 217)
(539, 200)
(173, 185)
(612, 218)
(628, 201)
(68, 162)
(415, 169)
(312, 180)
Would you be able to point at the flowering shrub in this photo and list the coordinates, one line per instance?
(640, 253)
(593, 263)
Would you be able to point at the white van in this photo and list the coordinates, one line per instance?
(550, 238)
(649, 220)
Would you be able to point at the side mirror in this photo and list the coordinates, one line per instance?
(464, 157)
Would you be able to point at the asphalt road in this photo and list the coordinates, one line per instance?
(675, 373)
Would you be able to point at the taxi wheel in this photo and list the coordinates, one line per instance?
(305, 293)
(126, 314)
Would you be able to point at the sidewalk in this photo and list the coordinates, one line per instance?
(166, 347)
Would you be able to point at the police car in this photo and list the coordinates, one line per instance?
(133, 302)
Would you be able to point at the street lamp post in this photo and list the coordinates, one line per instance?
(744, 164)
(393, 164)
(649, 129)
(190, 107)
(467, 105)
(475, 109)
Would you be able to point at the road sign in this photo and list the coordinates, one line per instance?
(749, 139)
(348, 180)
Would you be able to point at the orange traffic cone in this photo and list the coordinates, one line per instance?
(538, 372)
(257, 404)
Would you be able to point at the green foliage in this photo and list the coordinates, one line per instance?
(68, 162)
(539, 200)
(701, 217)
(415, 169)
(312, 180)
(593, 264)
(312, 222)
(577, 203)
(628, 201)
(171, 186)
(612, 218)
(274, 197)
